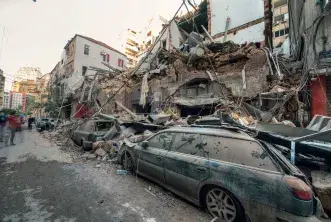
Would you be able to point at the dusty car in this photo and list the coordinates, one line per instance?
(90, 132)
(234, 176)
(43, 124)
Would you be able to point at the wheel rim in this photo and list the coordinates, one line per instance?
(221, 205)
(127, 162)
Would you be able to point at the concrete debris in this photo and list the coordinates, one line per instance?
(322, 187)
(100, 152)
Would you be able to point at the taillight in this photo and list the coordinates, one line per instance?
(298, 188)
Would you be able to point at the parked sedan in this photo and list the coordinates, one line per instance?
(90, 132)
(233, 175)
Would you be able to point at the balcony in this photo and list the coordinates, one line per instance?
(281, 10)
(131, 48)
(277, 3)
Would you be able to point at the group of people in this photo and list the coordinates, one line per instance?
(10, 124)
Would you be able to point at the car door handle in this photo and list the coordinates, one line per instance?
(201, 169)
(159, 157)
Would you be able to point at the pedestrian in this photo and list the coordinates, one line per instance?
(2, 125)
(30, 121)
(12, 125)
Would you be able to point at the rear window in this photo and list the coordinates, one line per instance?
(101, 126)
(247, 153)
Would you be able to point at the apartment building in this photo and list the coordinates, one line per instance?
(2, 88)
(280, 27)
(131, 48)
(84, 56)
(6, 100)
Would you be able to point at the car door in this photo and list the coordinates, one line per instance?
(150, 160)
(185, 164)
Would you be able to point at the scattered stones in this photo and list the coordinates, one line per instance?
(91, 156)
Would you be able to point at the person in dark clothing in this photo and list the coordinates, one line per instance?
(3, 120)
(30, 121)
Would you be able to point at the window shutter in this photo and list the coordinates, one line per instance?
(107, 57)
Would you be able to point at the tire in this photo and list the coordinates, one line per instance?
(222, 204)
(127, 162)
(84, 147)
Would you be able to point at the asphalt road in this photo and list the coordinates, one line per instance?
(39, 182)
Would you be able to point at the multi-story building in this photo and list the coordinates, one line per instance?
(6, 100)
(84, 56)
(280, 27)
(27, 73)
(132, 48)
(16, 100)
(2, 88)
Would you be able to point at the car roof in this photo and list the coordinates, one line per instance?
(212, 131)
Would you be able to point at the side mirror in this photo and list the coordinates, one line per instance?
(144, 144)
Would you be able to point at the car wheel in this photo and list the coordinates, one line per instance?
(222, 205)
(127, 162)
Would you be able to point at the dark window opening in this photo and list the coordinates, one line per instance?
(104, 57)
(84, 70)
(286, 30)
(164, 44)
(282, 32)
(86, 49)
(277, 34)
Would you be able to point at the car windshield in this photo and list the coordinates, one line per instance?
(103, 126)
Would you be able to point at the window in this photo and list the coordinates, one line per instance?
(86, 49)
(188, 143)
(276, 34)
(161, 141)
(104, 57)
(120, 63)
(84, 70)
(282, 32)
(286, 31)
(61, 61)
(244, 152)
(164, 44)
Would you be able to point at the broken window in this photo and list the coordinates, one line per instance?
(282, 32)
(286, 31)
(84, 70)
(164, 44)
(276, 34)
(188, 143)
(86, 49)
(243, 152)
(161, 141)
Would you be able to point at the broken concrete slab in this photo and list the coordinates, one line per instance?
(100, 152)
(322, 185)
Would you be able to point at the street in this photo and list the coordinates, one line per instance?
(39, 182)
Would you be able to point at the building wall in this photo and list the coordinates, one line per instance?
(25, 73)
(94, 59)
(248, 10)
(304, 26)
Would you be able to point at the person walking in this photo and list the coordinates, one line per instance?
(30, 121)
(12, 125)
(2, 125)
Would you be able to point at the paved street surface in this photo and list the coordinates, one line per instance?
(39, 182)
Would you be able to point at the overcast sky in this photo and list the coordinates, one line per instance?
(34, 34)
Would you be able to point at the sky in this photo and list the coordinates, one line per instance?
(33, 34)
